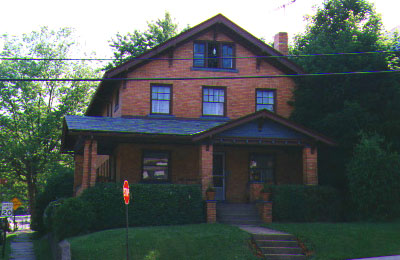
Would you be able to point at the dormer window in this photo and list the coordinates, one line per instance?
(212, 54)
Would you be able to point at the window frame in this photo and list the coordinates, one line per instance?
(168, 154)
(274, 98)
(170, 98)
(202, 100)
(220, 59)
(273, 158)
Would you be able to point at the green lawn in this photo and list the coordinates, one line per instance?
(346, 240)
(202, 241)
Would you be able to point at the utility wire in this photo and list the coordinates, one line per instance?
(205, 78)
(238, 57)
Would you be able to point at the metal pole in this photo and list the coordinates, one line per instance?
(127, 225)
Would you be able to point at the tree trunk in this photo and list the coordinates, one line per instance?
(31, 195)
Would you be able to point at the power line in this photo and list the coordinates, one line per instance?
(204, 78)
(234, 57)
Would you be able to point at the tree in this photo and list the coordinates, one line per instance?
(31, 112)
(374, 180)
(342, 106)
(133, 44)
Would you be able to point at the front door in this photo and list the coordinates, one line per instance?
(219, 175)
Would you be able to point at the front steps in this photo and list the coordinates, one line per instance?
(279, 246)
(238, 214)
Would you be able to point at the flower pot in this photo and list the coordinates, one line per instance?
(265, 196)
(210, 195)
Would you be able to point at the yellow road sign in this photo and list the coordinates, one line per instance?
(17, 203)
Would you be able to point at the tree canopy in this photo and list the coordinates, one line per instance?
(31, 112)
(133, 44)
(342, 106)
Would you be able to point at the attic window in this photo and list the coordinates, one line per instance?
(211, 54)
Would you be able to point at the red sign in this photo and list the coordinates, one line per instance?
(126, 192)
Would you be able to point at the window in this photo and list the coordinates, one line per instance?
(262, 168)
(160, 99)
(265, 99)
(213, 102)
(213, 55)
(155, 166)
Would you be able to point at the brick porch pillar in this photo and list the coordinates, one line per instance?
(310, 169)
(206, 166)
(89, 165)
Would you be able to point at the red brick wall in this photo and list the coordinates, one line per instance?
(310, 168)
(89, 164)
(205, 166)
(187, 94)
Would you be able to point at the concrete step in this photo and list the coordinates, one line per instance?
(242, 222)
(276, 243)
(284, 257)
(281, 250)
(275, 237)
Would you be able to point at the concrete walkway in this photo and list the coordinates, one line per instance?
(261, 230)
(393, 257)
(22, 247)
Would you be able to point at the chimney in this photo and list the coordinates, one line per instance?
(281, 43)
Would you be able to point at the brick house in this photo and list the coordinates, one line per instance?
(197, 109)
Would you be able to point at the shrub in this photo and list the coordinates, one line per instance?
(73, 217)
(151, 204)
(49, 213)
(374, 180)
(299, 203)
(59, 185)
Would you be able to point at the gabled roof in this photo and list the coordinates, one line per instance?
(216, 20)
(260, 116)
(220, 21)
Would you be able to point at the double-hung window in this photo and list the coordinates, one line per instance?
(155, 166)
(213, 101)
(262, 168)
(160, 99)
(265, 99)
(211, 54)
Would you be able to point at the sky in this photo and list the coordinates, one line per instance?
(96, 22)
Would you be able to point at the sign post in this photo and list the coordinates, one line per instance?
(126, 198)
(17, 203)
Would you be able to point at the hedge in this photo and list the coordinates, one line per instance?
(300, 203)
(151, 204)
(59, 185)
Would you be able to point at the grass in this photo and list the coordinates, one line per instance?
(41, 247)
(10, 238)
(202, 241)
(336, 241)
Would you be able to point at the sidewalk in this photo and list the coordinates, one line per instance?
(22, 247)
(393, 257)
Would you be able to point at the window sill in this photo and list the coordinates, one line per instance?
(161, 115)
(214, 69)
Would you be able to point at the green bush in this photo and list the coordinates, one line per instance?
(151, 204)
(59, 185)
(49, 213)
(73, 217)
(300, 203)
(374, 180)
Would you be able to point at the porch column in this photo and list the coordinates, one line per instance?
(206, 167)
(89, 164)
(310, 169)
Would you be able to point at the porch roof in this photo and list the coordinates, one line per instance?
(141, 125)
